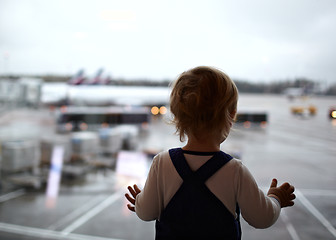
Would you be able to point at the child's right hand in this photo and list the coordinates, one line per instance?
(284, 193)
(134, 191)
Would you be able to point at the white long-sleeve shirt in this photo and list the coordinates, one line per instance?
(231, 184)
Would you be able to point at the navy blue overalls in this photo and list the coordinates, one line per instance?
(195, 212)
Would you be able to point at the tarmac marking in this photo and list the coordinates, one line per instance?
(12, 195)
(310, 207)
(93, 212)
(289, 226)
(311, 192)
(43, 233)
(319, 192)
(77, 212)
(316, 213)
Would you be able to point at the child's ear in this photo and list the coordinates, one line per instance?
(233, 117)
(233, 114)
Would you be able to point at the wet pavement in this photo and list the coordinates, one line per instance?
(298, 149)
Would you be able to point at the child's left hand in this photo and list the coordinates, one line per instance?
(134, 191)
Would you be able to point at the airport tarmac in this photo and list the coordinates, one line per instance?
(299, 149)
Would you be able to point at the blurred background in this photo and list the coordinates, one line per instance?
(84, 106)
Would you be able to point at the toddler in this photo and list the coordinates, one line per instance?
(198, 191)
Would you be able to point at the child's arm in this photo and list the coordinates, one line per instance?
(145, 202)
(134, 191)
(284, 194)
(258, 210)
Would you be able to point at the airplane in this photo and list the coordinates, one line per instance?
(96, 79)
(78, 78)
(58, 94)
(292, 93)
(99, 78)
(100, 95)
(88, 106)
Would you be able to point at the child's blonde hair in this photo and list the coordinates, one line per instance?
(203, 99)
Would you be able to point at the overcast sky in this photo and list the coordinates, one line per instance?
(258, 40)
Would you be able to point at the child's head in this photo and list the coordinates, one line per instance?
(203, 100)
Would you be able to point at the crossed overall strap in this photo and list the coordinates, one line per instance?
(218, 160)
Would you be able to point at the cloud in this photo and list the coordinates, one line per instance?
(257, 40)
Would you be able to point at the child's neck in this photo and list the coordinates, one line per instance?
(202, 145)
